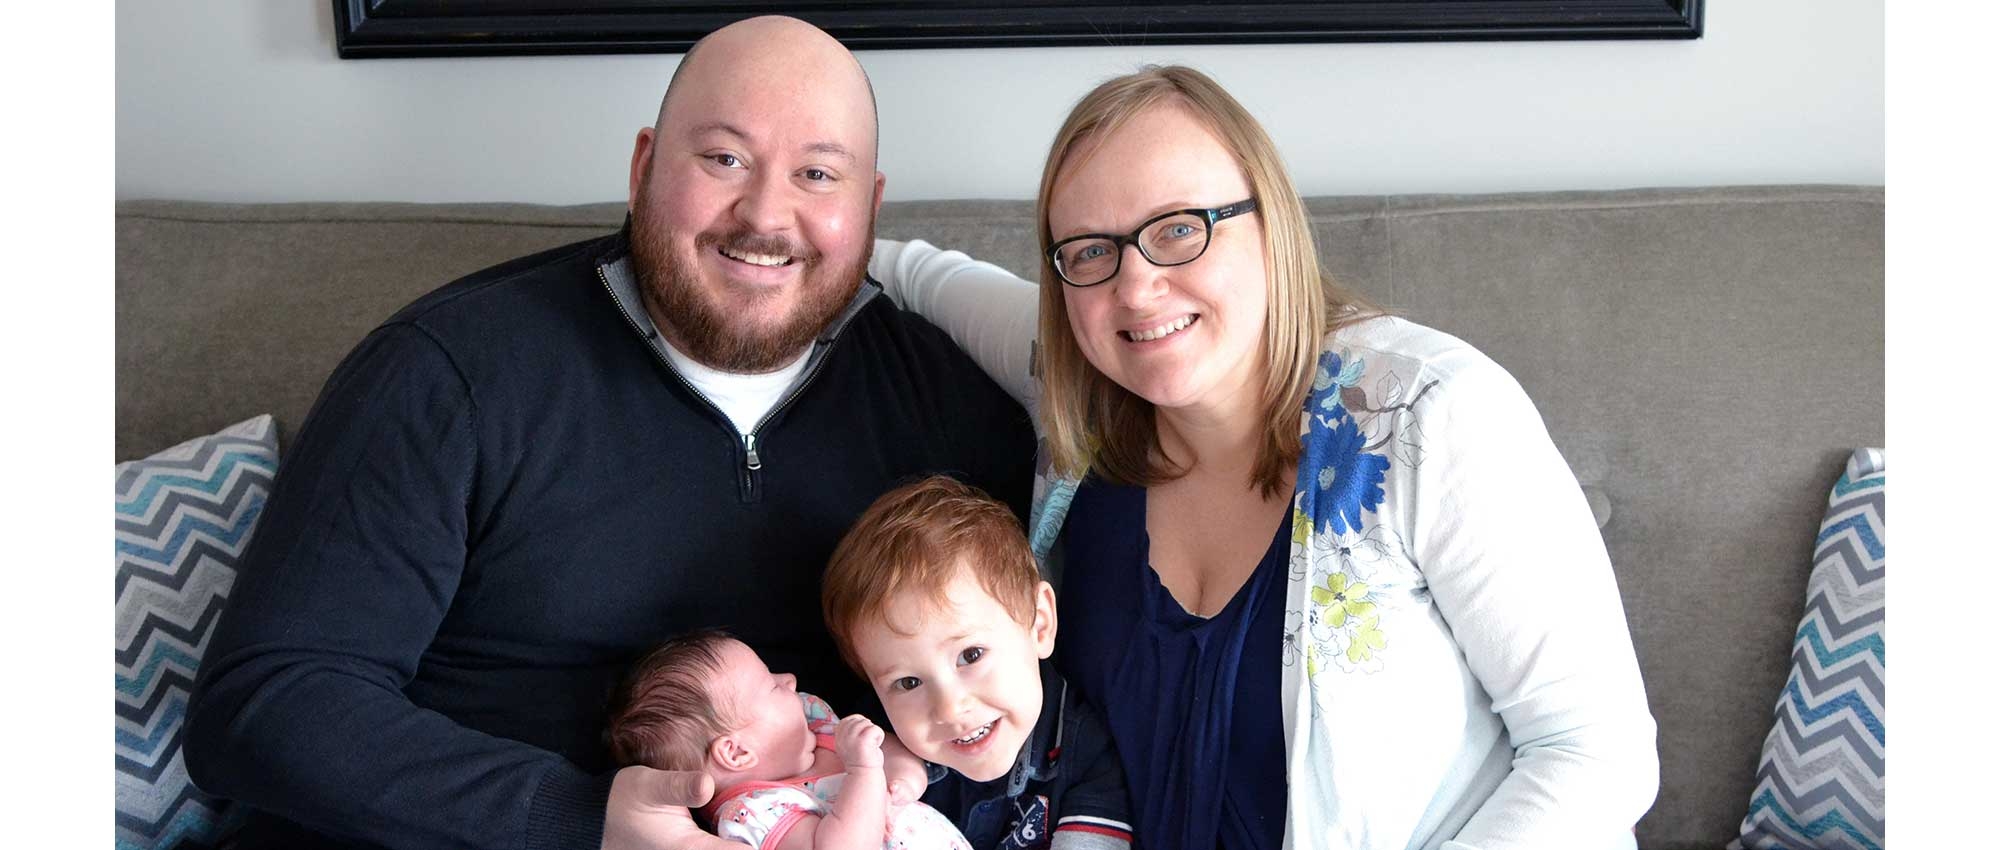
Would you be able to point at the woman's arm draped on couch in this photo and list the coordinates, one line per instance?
(986, 310)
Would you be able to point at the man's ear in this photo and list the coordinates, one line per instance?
(1044, 628)
(642, 164)
(880, 181)
(729, 753)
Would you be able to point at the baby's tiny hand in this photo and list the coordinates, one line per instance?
(858, 742)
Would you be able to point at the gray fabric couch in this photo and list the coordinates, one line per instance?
(1705, 358)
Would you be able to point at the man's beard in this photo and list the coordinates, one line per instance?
(716, 334)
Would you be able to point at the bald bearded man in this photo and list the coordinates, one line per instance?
(525, 478)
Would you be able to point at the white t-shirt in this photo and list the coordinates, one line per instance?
(743, 398)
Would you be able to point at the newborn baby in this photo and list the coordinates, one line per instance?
(789, 775)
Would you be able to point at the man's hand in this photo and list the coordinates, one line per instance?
(858, 742)
(648, 810)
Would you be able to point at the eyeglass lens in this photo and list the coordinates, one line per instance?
(1170, 241)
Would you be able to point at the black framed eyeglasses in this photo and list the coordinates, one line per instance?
(1168, 239)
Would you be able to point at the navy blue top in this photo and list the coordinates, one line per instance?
(1192, 702)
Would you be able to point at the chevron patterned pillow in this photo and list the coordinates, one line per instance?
(1819, 785)
(184, 516)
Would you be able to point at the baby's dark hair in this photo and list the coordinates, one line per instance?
(663, 715)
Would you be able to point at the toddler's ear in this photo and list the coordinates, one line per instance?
(729, 753)
(1044, 628)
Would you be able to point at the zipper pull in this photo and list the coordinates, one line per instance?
(750, 449)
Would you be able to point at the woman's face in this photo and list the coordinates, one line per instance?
(1163, 160)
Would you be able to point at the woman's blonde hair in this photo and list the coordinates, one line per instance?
(1092, 423)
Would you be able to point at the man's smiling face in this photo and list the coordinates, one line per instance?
(753, 202)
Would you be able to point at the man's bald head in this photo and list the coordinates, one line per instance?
(754, 196)
(779, 48)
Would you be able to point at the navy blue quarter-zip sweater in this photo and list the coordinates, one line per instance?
(502, 497)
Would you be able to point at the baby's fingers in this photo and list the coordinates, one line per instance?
(862, 730)
(854, 724)
(858, 741)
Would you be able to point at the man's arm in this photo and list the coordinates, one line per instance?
(299, 708)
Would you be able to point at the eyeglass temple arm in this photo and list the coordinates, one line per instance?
(1235, 209)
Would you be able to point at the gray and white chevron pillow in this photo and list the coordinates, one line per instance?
(1819, 785)
(183, 516)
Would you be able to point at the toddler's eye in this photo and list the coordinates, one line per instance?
(971, 655)
(907, 683)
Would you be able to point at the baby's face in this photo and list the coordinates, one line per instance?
(766, 705)
(961, 681)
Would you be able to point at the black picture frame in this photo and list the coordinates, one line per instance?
(402, 28)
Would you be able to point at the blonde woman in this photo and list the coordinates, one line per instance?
(1324, 572)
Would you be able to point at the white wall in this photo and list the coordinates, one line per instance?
(244, 100)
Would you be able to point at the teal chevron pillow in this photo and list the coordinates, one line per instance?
(183, 516)
(1819, 785)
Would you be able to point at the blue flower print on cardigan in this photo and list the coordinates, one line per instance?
(1347, 480)
(1357, 572)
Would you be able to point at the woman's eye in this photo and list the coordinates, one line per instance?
(1090, 252)
(1180, 231)
(971, 655)
(907, 683)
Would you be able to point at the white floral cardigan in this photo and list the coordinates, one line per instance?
(1458, 672)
